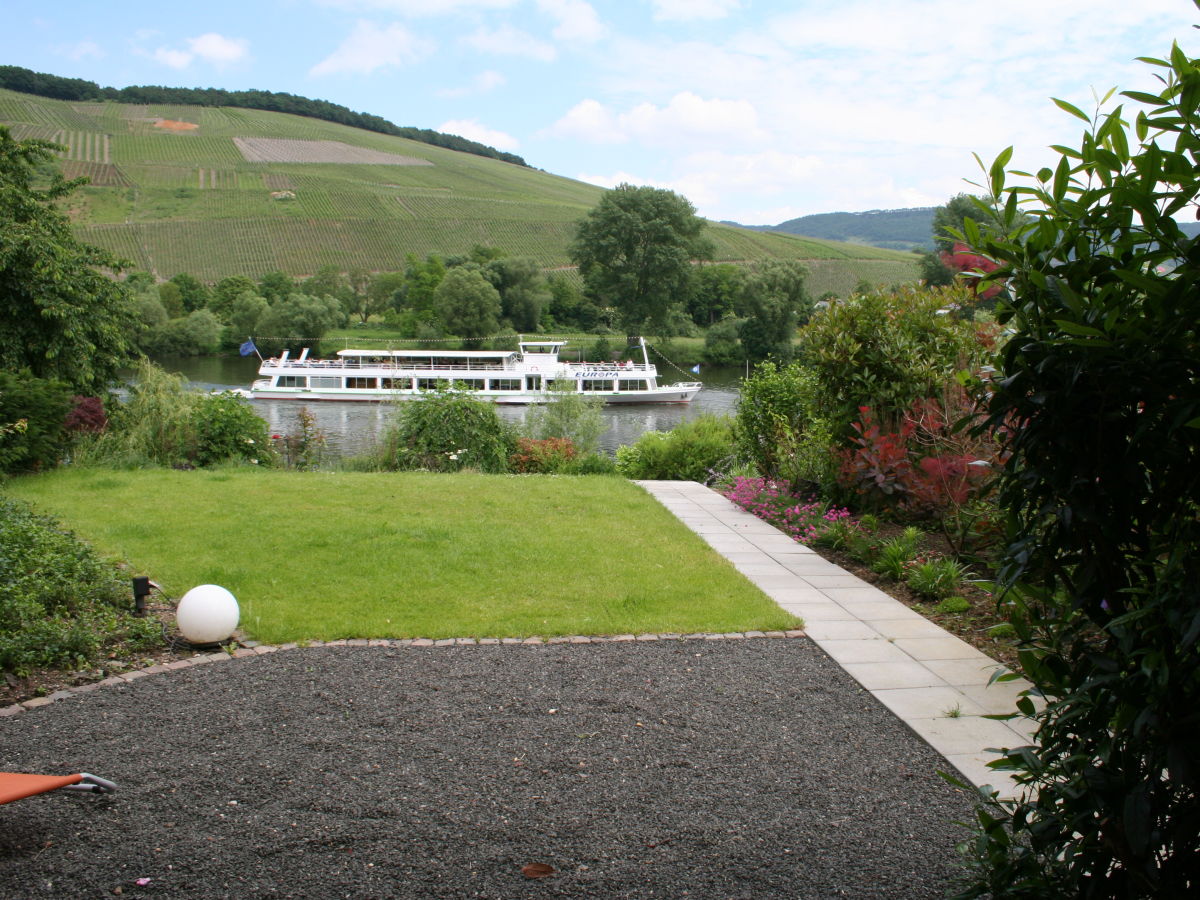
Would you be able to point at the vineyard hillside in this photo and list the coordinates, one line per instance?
(217, 191)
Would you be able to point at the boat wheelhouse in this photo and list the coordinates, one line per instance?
(530, 374)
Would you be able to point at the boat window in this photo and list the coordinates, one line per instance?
(360, 383)
(325, 381)
(595, 384)
(562, 384)
(468, 384)
(292, 381)
(395, 384)
(430, 384)
(506, 384)
(632, 384)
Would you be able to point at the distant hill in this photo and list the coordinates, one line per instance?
(216, 191)
(893, 229)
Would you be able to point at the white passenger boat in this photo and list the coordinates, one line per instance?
(528, 375)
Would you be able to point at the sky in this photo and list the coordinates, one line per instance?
(757, 111)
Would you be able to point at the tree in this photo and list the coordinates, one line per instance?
(1098, 399)
(714, 292)
(773, 302)
(523, 290)
(635, 250)
(226, 292)
(192, 292)
(467, 304)
(61, 314)
(421, 279)
(276, 286)
(297, 322)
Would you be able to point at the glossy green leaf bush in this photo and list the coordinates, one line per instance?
(1098, 398)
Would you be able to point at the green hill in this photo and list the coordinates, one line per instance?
(216, 191)
(894, 229)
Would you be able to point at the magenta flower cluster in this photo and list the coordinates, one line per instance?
(801, 519)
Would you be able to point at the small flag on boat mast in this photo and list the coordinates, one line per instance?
(696, 368)
(248, 348)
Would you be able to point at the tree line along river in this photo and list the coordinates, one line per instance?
(353, 427)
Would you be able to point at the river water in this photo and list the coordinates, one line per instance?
(354, 427)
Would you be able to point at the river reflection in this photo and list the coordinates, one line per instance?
(353, 428)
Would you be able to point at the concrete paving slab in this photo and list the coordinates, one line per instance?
(817, 611)
(926, 648)
(964, 671)
(892, 675)
(823, 630)
(852, 650)
(910, 703)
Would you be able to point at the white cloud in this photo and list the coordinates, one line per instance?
(588, 120)
(218, 49)
(83, 50)
(212, 48)
(687, 10)
(370, 47)
(577, 20)
(176, 59)
(424, 8)
(509, 41)
(475, 131)
(687, 118)
(482, 83)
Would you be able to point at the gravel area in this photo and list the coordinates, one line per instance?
(683, 768)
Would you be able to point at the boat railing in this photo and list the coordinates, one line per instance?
(390, 366)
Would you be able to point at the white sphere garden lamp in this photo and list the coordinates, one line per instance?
(207, 614)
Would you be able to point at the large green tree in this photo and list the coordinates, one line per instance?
(62, 314)
(467, 304)
(635, 250)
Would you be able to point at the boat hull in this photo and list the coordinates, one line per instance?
(681, 393)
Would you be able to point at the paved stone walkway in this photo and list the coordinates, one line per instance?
(934, 682)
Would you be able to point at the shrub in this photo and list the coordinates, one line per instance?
(59, 603)
(162, 423)
(40, 406)
(895, 555)
(876, 467)
(953, 605)
(228, 430)
(304, 447)
(591, 464)
(447, 431)
(570, 415)
(936, 579)
(888, 348)
(691, 451)
(779, 429)
(548, 456)
(804, 520)
(1101, 490)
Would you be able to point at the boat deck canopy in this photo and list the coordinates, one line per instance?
(427, 354)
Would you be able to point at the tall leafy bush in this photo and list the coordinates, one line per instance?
(780, 428)
(447, 431)
(1102, 489)
(886, 349)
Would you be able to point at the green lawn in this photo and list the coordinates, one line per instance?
(323, 556)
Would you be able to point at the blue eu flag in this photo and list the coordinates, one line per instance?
(248, 348)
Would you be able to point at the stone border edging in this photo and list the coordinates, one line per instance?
(253, 648)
